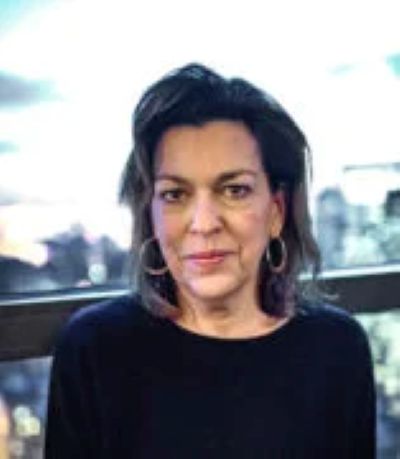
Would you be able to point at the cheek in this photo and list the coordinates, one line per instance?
(166, 227)
(253, 238)
(253, 224)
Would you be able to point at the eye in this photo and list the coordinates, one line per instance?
(173, 195)
(237, 190)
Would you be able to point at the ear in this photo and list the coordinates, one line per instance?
(278, 214)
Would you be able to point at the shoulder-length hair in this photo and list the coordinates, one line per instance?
(194, 95)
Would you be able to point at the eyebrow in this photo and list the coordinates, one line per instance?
(224, 177)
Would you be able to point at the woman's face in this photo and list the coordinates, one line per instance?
(212, 209)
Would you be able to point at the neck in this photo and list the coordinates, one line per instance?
(228, 318)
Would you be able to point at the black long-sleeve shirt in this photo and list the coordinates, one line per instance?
(128, 385)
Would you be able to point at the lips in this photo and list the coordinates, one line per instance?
(207, 259)
(207, 255)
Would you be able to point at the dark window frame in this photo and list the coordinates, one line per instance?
(30, 323)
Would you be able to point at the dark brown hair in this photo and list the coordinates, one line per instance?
(195, 95)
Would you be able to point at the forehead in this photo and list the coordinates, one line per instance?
(211, 149)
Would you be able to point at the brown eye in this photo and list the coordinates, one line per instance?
(173, 195)
(237, 191)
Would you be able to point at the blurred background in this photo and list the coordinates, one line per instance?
(70, 74)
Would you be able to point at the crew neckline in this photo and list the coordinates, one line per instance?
(271, 336)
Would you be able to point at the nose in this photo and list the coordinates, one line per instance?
(205, 217)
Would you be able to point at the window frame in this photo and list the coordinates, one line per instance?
(30, 323)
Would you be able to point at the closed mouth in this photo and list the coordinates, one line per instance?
(207, 255)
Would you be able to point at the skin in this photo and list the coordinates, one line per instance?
(213, 213)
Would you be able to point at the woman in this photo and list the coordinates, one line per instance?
(218, 354)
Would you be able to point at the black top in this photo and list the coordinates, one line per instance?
(128, 385)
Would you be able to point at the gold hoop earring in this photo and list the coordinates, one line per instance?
(142, 253)
(278, 259)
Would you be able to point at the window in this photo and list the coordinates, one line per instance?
(70, 74)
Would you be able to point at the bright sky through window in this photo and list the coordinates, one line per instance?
(325, 62)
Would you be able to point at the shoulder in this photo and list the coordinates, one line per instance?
(328, 316)
(109, 322)
(332, 327)
(116, 310)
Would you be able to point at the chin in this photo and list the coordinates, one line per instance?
(214, 288)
